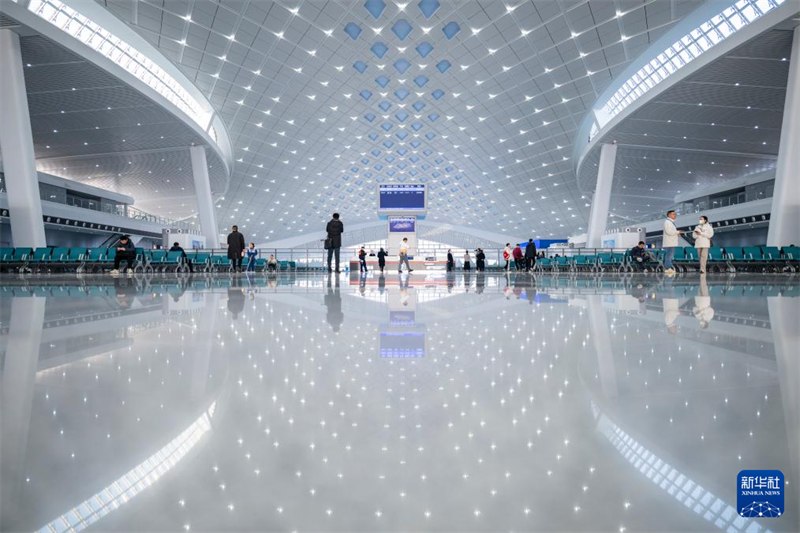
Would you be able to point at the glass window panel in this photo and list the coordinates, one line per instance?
(763, 6)
(61, 19)
(749, 13)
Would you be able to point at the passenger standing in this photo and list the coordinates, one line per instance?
(451, 263)
(236, 248)
(362, 260)
(530, 255)
(507, 255)
(480, 260)
(252, 253)
(333, 243)
(670, 241)
(381, 259)
(702, 241)
(466, 260)
(517, 253)
(404, 256)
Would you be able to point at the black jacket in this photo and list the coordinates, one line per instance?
(450, 258)
(335, 228)
(381, 257)
(530, 251)
(235, 244)
(178, 249)
(129, 248)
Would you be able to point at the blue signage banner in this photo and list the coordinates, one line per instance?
(760, 493)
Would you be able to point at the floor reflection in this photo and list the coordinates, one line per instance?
(426, 402)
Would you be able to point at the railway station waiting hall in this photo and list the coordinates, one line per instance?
(400, 265)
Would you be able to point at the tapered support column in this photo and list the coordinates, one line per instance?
(203, 340)
(16, 143)
(598, 216)
(18, 379)
(205, 204)
(784, 224)
(783, 313)
(601, 337)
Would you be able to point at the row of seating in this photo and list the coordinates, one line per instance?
(89, 260)
(728, 259)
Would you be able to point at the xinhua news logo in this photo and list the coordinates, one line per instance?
(760, 493)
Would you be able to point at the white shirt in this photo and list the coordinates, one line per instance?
(466, 258)
(671, 310)
(702, 309)
(509, 251)
(404, 248)
(670, 239)
(703, 234)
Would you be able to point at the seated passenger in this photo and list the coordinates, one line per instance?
(176, 247)
(640, 255)
(272, 263)
(126, 251)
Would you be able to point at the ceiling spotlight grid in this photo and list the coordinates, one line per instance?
(518, 81)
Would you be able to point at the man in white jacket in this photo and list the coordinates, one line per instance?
(702, 241)
(670, 241)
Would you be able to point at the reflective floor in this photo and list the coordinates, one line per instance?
(446, 403)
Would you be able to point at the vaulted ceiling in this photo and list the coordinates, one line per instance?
(326, 99)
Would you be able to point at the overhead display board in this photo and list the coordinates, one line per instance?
(402, 199)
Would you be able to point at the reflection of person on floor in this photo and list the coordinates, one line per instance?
(235, 298)
(480, 282)
(126, 292)
(381, 282)
(671, 313)
(404, 295)
(333, 301)
(362, 285)
(703, 311)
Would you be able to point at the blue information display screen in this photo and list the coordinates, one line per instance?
(402, 224)
(402, 344)
(401, 197)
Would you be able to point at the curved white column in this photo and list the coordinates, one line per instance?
(205, 204)
(598, 216)
(16, 143)
(784, 224)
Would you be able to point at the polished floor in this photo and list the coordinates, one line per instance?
(436, 403)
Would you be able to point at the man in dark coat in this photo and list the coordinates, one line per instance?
(335, 228)
(176, 247)
(235, 248)
(530, 255)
